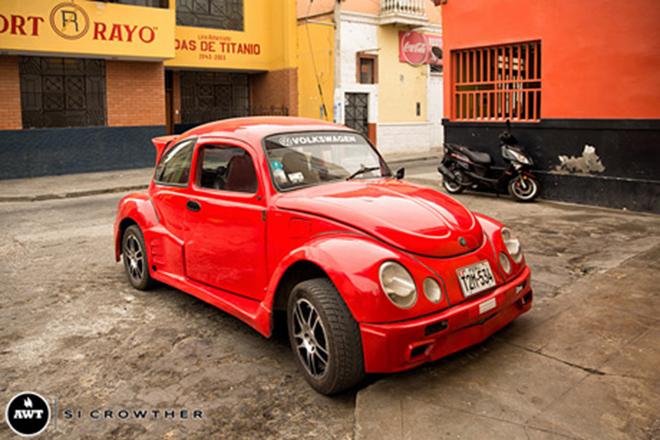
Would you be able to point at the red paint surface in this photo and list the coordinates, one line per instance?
(228, 255)
(599, 59)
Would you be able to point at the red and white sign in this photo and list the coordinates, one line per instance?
(415, 48)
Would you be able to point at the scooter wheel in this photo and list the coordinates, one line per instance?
(452, 188)
(524, 188)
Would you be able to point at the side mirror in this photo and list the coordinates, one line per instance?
(400, 173)
(437, 52)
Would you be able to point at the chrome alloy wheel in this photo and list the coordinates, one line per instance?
(134, 258)
(310, 338)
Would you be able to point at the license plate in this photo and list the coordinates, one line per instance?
(475, 278)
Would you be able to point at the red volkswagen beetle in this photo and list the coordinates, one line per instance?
(373, 274)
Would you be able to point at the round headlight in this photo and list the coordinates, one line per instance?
(505, 264)
(432, 290)
(512, 244)
(398, 284)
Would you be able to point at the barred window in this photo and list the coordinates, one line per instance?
(62, 92)
(209, 96)
(497, 83)
(217, 14)
(148, 3)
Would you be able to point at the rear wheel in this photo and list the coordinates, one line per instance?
(524, 188)
(324, 337)
(136, 262)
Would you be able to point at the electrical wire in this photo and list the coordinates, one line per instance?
(311, 51)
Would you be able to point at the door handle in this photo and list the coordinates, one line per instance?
(193, 206)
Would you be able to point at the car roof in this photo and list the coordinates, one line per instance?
(254, 129)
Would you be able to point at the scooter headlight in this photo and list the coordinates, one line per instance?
(520, 157)
(398, 284)
(512, 245)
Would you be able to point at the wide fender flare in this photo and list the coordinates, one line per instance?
(139, 209)
(489, 225)
(492, 228)
(350, 261)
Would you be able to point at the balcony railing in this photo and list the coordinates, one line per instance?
(406, 12)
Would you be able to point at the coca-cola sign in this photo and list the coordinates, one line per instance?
(413, 48)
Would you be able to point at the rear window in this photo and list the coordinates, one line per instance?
(174, 166)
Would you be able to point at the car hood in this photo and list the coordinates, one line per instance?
(410, 217)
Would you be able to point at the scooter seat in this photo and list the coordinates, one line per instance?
(474, 156)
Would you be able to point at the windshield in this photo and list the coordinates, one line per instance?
(312, 158)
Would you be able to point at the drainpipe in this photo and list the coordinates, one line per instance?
(338, 98)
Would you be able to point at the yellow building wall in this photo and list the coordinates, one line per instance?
(315, 60)
(267, 42)
(401, 85)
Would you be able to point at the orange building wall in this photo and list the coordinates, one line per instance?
(135, 93)
(599, 59)
(10, 94)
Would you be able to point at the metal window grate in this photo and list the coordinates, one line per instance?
(217, 14)
(357, 112)
(147, 3)
(209, 96)
(62, 92)
(497, 83)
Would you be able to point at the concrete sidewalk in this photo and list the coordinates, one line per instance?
(88, 184)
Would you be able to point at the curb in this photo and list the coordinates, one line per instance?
(412, 159)
(71, 195)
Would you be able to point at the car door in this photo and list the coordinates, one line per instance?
(225, 245)
(169, 196)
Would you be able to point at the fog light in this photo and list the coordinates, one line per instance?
(432, 290)
(505, 264)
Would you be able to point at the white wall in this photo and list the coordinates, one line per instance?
(436, 112)
(357, 34)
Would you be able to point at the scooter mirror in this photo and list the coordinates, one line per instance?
(400, 173)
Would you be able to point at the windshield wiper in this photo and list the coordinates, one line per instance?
(362, 170)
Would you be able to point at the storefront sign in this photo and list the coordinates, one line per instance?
(211, 48)
(415, 48)
(86, 28)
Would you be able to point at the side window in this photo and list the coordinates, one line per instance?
(227, 169)
(174, 166)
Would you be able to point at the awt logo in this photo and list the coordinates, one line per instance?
(27, 414)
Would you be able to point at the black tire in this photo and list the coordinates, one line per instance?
(524, 188)
(344, 366)
(135, 258)
(452, 188)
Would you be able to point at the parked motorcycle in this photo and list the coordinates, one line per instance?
(463, 168)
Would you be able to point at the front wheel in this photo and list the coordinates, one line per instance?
(524, 188)
(324, 337)
(451, 187)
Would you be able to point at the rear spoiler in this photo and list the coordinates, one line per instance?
(160, 143)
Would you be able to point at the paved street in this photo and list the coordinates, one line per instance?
(582, 364)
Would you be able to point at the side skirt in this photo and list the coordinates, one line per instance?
(252, 312)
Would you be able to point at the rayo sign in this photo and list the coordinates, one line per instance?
(415, 48)
(86, 27)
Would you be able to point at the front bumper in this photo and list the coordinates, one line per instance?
(403, 345)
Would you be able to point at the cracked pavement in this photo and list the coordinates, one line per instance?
(582, 364)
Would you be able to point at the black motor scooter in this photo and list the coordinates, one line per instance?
(463, 168)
